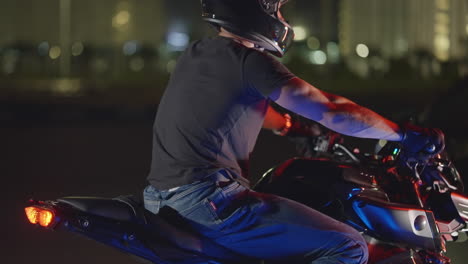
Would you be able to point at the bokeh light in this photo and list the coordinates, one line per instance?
(77, 48)
(318, 57)
(43, 48)
(178, 40)
(121, 19)
(99, 65)
(120, 54)
(362, 50)
(333, 51)
(300, 33)
(55, 52)
(313, 43)
(137, 64)
(10, 61)
(130, 47)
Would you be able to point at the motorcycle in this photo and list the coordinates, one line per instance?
(406, 209)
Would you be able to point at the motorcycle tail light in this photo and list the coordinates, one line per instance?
(41, 216)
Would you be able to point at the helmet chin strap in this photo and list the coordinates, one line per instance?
(257, 47)
(224, 33)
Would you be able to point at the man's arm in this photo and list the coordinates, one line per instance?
(334, 112)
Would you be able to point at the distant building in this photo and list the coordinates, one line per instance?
(318, 18)
(80, 36)
(94, 22)
(394, 28)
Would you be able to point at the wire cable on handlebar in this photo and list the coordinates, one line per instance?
(351, 155)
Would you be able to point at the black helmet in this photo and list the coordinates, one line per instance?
(258, 21)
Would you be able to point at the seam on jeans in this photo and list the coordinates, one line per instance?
(204, 204)
(191, 190)
(203, 201)
(230, 187)
(153, 206)
(147, 201)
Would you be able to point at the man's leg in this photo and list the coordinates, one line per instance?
(286, 230)
(266, 226)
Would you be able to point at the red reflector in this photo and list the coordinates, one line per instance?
(39, 216)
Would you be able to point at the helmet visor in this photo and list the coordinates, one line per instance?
(285, 37)
(282, 31)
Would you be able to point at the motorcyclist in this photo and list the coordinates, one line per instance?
(208, 120)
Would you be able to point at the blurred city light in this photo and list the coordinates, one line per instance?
(300, 33)
(436, 67)
(177, 41)
(77, 48)
(333, 51)
(130, 47)
(443, 4)
(362, 50)
(99, 65)
(438, 33)
(66, 87)
(378, 64)
(442, 43)
(55, 52)
(313, 43)
(121, 19)
(401, 46)
(318, 57)
(43, 48)
(10, 61)
(361, 68)
(442, 30)
(137, 64)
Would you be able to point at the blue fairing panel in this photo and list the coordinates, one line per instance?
(399, 223)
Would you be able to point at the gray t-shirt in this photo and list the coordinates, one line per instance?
(212, 111)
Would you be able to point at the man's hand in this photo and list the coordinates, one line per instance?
(422, 143)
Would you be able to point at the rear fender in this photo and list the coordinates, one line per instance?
(126, 236)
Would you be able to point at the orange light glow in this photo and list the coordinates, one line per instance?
(31, 213)
(45, 218)
(39, 216)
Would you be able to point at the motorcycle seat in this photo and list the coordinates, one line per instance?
(167, 223)
(104, 207)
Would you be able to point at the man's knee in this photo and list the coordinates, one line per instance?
(347, 248)
(355, 250)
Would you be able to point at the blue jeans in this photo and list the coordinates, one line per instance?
(260, 225)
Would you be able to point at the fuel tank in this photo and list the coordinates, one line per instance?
(352, 195)
(318, 182)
